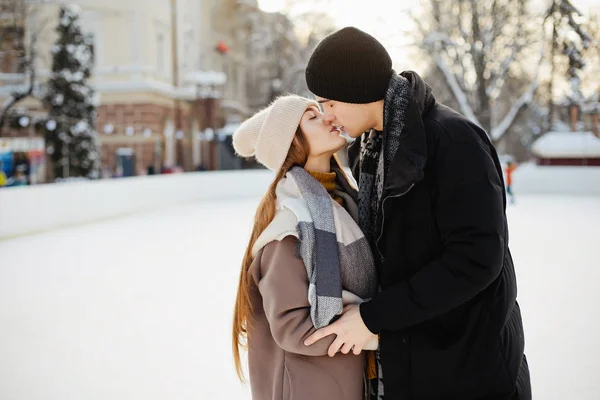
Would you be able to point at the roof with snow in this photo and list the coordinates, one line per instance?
(567, 145)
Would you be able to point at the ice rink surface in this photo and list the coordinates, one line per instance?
(140, 307)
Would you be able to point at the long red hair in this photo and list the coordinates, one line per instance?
(297, 156)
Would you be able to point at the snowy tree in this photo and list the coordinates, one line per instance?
(272, 49)
(69, 131)
(570, 36)
(310, 28)
(590, 75)
(278, 49)
(479, 45)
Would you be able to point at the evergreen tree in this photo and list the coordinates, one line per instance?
(71, 140)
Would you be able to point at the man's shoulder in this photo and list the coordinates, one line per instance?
(446, 127)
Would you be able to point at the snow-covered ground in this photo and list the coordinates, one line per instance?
(140, 307)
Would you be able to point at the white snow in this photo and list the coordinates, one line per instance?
(71, 76)
(567, 145)
(554, 246)
(73, 9)
(140, 307)
(80, 127)
(132, 308)
(83, 55)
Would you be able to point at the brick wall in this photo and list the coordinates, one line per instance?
(141, 116)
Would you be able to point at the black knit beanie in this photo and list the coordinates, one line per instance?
(350, 66)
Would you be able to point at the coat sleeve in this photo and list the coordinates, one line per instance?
(284, 289)
(469, 211)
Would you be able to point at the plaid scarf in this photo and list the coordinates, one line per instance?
(376, 154)
(334, 250)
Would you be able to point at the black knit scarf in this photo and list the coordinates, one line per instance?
(376, 154)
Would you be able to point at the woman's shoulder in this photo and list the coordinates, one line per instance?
(282, 252)
(284, 246)
(276, 258)
(284, 224)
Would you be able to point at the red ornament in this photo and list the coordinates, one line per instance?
(222, 47)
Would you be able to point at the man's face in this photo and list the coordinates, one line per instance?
(353, 119)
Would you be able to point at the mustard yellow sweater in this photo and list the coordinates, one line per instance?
(327, 179)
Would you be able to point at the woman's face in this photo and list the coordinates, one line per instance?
(323, 137)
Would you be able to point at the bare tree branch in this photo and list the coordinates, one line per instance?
(475, 45)
(495, 86)
(458, 93)
(499, 131)
(498, 77)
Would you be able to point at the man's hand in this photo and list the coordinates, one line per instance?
(352, 333)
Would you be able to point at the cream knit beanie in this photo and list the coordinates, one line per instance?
(269, 133)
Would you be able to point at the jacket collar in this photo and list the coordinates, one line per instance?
(407, 167)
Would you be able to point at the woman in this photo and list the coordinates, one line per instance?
(306, 259)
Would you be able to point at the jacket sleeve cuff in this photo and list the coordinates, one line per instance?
(369, 317)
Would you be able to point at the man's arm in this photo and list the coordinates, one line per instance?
(470, 217)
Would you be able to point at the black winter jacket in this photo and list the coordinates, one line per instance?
(450, 326)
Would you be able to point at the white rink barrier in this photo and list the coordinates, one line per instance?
(27, 210)
(32, 209)
(556, 180)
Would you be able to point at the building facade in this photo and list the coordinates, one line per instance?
(167, 74)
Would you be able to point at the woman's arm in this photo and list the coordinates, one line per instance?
(284, 288)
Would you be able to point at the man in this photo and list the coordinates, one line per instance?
(432, 204)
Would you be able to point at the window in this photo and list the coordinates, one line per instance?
(90, 40)
(160, 54)
(91, 22)
(12, 49)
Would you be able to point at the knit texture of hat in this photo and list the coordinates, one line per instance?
(350, 66)
(269, 133)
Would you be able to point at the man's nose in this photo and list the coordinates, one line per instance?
(328, 117)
